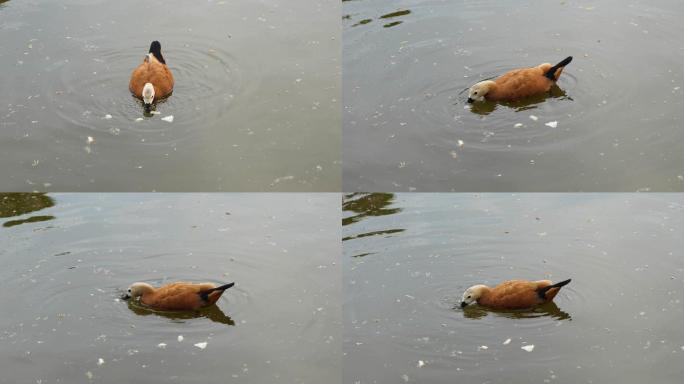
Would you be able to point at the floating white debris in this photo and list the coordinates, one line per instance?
(100, 361)
(405, 377)
(108, 116)
(161, 345)
(201, 345)
(90, 140)
(552, 124)
(518, 125)
(139, 119)
(483, 347)
(508, 341)
(155, 113)
(180, 338)
(421, 363)
(528, 348)
(168, 118)
(89, 375)
(533, 117)
(460, 143)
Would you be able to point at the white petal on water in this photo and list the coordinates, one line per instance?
(552, 124)
(518, 125)
(533, 117)
(90, 140)
(180, 338)
(201, 345)
(161, 345)
(528, 348)
(421, 363)
(168, 118)
(139, 119)
(100, 361)
(461, 143)
(507, 342)
(108, 116)
(483, 347)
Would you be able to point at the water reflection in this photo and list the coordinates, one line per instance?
(213, 313)
(487, 107)
(367, 204)
(17, 204)
(390, 15)
(551, 310)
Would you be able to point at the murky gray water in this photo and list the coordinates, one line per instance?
(255, 105)
(64, 260)
(408, 258)
(618, 110)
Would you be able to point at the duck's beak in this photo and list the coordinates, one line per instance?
(463, 304)
(471, 100)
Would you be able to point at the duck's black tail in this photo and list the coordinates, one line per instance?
(205, 294)
(226, 286)
(551, 73)
(542, 291)
(155, 49)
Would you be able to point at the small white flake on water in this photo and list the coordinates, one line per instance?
(483, 347)
(518, 125)
(533, 117)
(168, 118)
(528, 348)
(108, 116)
(421, 363)
(405, 377)
(460, 143)
(180, 338)
(201, 345)
(90, 140)
(100, 361)
(155, 113)
(161, 345)
(552, 124)
(139, 119)
(507, 342)
(89, 375)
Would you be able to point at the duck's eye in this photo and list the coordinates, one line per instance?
(469, 296)
(129, 290)
(475, 93)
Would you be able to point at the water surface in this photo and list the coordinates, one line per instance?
(61, 279)
(255, 105)
(408, 64)
(408, 260)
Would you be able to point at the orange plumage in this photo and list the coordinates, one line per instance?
(152, 70)
(513, 294)
(179, 296)
(519, 83)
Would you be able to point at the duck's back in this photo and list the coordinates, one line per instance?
(514, 294)
(177, 296)
(520, 83)
(151, 71)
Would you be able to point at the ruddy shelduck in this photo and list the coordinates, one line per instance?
(513, 294)
(518, 83)
(152, 79)
(179, 296)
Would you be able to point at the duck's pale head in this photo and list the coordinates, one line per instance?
(479, 91)
(472, 294)
(148, 94)
(137, 289)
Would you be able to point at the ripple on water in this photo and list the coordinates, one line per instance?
(207, 77)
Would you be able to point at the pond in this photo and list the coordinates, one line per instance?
(408, 258)
(255, 105)
(66, 259)
(614, 123)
